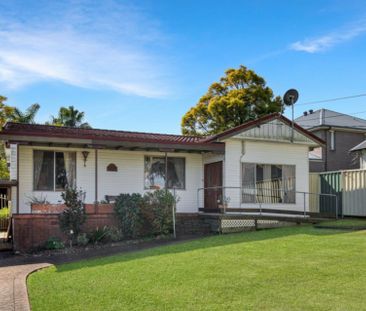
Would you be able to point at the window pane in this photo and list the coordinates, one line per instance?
(176, 173)
(154, 173)
(266, 183)
(43, 170)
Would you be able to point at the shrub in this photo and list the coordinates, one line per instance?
(74, 215)
(54, 243)
(161, 202)
(4, 212)
(82, 239)
(128, 210)
(114, 234)
(99, 235)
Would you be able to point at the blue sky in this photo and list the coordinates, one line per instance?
(140, 65)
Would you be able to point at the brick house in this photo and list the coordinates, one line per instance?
(341, 132)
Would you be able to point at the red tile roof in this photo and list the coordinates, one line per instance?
(98, 135)
(19, 129)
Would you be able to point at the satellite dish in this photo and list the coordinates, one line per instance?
(290, 97)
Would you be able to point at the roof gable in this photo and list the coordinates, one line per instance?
(274, 127)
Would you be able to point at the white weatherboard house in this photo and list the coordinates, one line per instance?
(261, 161)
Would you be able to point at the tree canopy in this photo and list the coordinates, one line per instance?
(28, 116)
(69, 116)
(241, 95)
(6, 112)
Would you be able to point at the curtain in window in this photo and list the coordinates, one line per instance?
(289, 183)
(176, 170)
(248, 182)
(70, 168)
(38, 162)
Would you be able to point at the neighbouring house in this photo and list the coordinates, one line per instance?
(360, 152)
(259, 162)
(341, 132)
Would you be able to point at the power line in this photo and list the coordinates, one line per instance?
(332, 99)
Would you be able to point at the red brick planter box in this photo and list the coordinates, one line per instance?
(59, 208)
(47, 208)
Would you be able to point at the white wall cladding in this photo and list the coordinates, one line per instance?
(129, 177)
(212, 158)
(275, 130)
(265, 153)
(13, 162)
(84, 175)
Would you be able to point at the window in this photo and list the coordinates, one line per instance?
(155, 171)
(268, 183)
(52, 171)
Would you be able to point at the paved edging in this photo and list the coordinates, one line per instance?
(13, 286)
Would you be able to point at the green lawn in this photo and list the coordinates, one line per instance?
(299, 268)
(348, 222)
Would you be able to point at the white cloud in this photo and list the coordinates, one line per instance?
(101, 46)
(326, 42)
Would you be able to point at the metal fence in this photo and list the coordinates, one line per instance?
(349, 186)
(268, 201)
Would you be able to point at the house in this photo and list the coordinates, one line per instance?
(259, 162)
(360, 152)
(341, 132)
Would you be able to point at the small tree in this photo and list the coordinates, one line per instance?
(74, 215)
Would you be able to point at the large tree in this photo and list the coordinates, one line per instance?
(241, 95)
(69, 116)
(27, 116)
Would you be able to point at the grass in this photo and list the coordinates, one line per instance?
(299, 268)
(341, 223)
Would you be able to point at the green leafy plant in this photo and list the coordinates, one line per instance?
(4, 213)
(98, 235)
(82, 239)
(72, 218)
(33, 199)
(54, 243)
(162, 203)
(114, 234)
(128, 210)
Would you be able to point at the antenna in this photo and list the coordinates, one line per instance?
(289, 99)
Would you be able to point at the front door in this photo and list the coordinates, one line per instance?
(213, 178)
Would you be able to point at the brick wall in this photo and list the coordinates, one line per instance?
(33, 230)
(191, 224)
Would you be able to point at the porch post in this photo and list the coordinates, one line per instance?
(166, 171)
(96, 176)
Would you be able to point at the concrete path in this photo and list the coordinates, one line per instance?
(13, 289)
